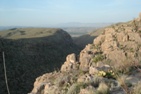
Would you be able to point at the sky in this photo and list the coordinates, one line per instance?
(51, 12)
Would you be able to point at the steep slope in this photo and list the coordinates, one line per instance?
(110, 65)
(85, 39)
(30, 52)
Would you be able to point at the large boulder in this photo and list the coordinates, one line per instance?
(70, 63)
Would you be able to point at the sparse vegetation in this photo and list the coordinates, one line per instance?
(107, 74)
(75, 88)
(98, 57)
(103, 89)
(111, 65)
(28, 56)
(139, 31)
(103, 75)
(137, 88)
(122, 81)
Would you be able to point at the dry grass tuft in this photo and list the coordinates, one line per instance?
(103, 88)
(137, 88)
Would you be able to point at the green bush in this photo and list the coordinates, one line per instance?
(107, 74)
(98, 57)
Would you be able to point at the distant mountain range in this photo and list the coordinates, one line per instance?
(9, 27)
(77, 24)
(62, 25)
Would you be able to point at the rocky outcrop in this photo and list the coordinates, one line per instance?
(108, 66)
(119, 45)
(30, 52)
(70, 64)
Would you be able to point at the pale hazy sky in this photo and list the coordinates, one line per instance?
(46, 12)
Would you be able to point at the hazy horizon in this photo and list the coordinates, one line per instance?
(53, 12)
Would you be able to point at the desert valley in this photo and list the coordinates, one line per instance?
(70, 47)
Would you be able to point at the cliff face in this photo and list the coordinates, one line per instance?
(30, 52)
(111, 65)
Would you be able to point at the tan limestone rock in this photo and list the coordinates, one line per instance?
(70, 63)
(99, 40)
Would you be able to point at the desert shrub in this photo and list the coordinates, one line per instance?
(102, 73)
(96, 46)
(139, 31)
(98, 57)
(137, 88)
(22, 32)
(94, 81)
(125, 67)
(103, 88)
(122, 80)
(107, 74)
(124, 83)
(60, 81)
(75, 88)
(121, 47)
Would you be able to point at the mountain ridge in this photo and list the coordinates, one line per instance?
(110, 65)
(27, 57)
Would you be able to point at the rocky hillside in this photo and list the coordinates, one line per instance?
(110, 65)
(30, 52)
